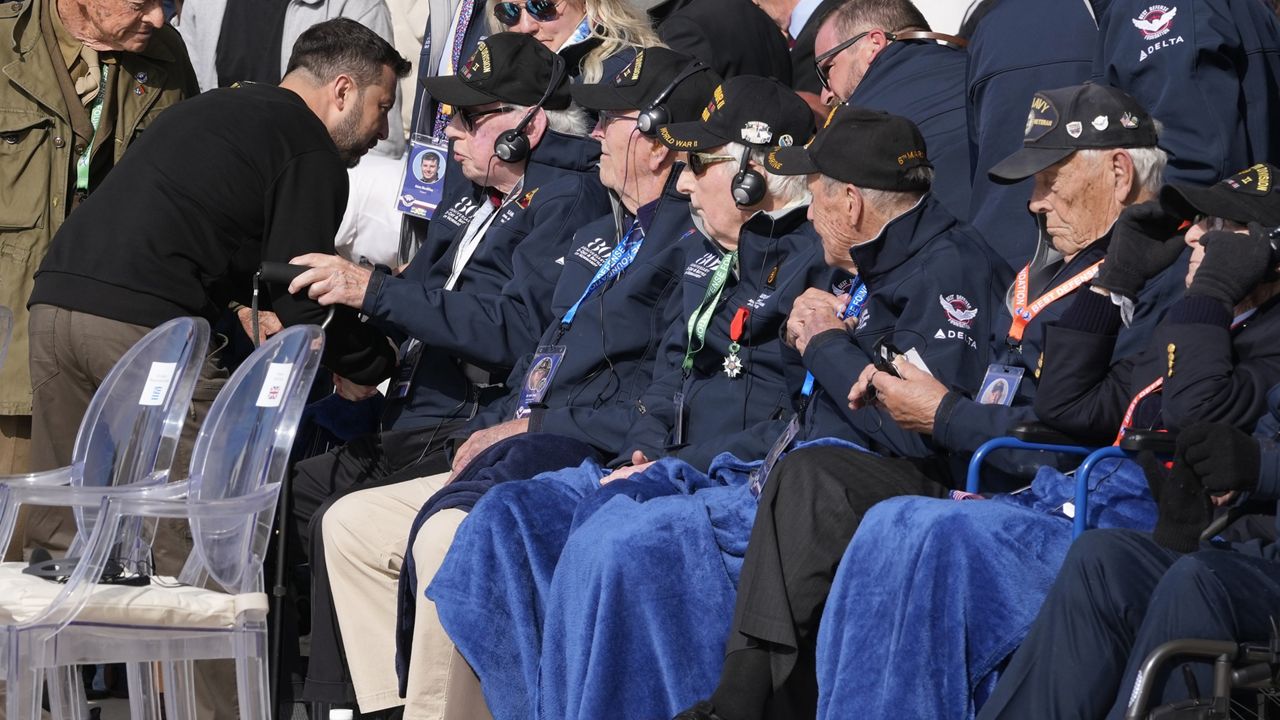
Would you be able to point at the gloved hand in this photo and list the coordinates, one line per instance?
(1181, 501)
(1143, 243)
(1234, 263)
(1223, 457)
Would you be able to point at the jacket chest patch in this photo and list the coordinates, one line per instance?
(703, 266)
(594, 253)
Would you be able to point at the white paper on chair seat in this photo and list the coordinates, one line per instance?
(23, 597)
(273, 384)
(158, 381)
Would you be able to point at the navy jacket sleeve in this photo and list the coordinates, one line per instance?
(491, 330)
(655, 414)
(300, 221)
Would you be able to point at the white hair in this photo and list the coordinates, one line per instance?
(1148, 163)
(891, 201)
(572, 120)
(786, 190)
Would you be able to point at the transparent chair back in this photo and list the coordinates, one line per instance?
(6, 332)
(243, 447)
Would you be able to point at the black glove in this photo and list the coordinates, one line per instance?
(1223, 457)
(1233, 264)
(1183, 505)
(1143, 243)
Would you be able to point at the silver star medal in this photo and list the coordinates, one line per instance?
(733, 363)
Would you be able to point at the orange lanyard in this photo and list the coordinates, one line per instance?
(1023, 313)
(1133, 407)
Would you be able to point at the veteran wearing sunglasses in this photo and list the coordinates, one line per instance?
(472, 302)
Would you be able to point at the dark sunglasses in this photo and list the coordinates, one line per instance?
(699, 161)
(821, 65)
(508, 13)
(467, 118)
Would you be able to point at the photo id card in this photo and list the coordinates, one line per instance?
(1000, 385)
(423, 181)
(546, 361)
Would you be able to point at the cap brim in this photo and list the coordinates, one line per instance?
(794, 160)
(1027, 162)
(602, 97)
(450, 90)
(1218, 201)
(689, 136)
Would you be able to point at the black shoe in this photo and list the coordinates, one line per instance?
(701, 710)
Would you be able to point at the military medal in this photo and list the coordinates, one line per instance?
(733, 363)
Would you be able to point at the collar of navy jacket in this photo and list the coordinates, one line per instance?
(901, 239)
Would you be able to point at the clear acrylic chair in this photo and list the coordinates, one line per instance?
(216, 607)
(6, 332)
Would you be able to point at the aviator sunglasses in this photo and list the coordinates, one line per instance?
(508, 13)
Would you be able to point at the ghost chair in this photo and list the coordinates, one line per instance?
(107, 609)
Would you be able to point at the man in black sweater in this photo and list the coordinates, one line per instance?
(220, 184)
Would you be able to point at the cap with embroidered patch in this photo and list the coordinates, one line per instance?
(645, 78)
(1248, 196)
(755, 111)
(868, 148)
(1067, 119)
(506, 67)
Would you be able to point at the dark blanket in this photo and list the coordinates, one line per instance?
(516, 458)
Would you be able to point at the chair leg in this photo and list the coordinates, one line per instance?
(66, 693)
(252, 675)
(144, 696)
(22, 693)
(179, 690)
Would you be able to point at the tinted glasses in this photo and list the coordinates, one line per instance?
(699, 162)
(468, 117)
(508, 13)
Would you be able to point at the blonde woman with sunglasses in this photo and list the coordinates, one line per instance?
(596, 37)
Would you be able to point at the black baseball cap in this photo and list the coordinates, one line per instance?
(1068, 119)
(867, 148)
(506, 67)
(1248, 196)
(755, 111)
(644, 79)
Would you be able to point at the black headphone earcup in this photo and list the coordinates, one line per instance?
(650, 119)
(748, 188)
(511, 146)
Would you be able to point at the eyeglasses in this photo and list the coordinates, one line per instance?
(608, 117)
(699, 162)
(467, 118)
(1211, 223)
(821, 65)
(508, 13)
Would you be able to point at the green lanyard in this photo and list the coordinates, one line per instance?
(95, 117)
(701, 316)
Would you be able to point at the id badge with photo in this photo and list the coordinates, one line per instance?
(423, 181)
(409, 357)
(537, 380)
(1000, 385)
(760, 475)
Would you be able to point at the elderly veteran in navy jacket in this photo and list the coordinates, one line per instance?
(723, 372)
(883, 56)
(464, 319)
(967, 577)
(1154, 593)
(1208, 69)
(929, 285)
(613, 299)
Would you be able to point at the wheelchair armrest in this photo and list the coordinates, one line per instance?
(1157, 441)
(1035, 432)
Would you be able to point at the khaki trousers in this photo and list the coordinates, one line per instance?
(364, 539)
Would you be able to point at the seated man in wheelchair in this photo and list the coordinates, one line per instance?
(959, 583)
(1121, 593)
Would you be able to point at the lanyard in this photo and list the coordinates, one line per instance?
(1133, 407)
(857, 301)
(476, 229)
(618, 260)
(449, 60)
(1023, 313)
(702, 315)
(95, 117)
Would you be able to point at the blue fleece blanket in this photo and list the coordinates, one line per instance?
(515, 458)
(572, 600)
(933, 595)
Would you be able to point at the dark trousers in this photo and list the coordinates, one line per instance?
(367, 462)
(1118, 596)
(812, 504)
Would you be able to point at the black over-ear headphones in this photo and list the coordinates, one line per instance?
(512, 146)
(654, 116)
(748, 185)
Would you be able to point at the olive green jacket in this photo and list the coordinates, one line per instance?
(38, 153)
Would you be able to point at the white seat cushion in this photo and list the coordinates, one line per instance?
(23, 597)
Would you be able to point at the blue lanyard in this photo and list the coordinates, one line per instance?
(857, 300)
(618, 260)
